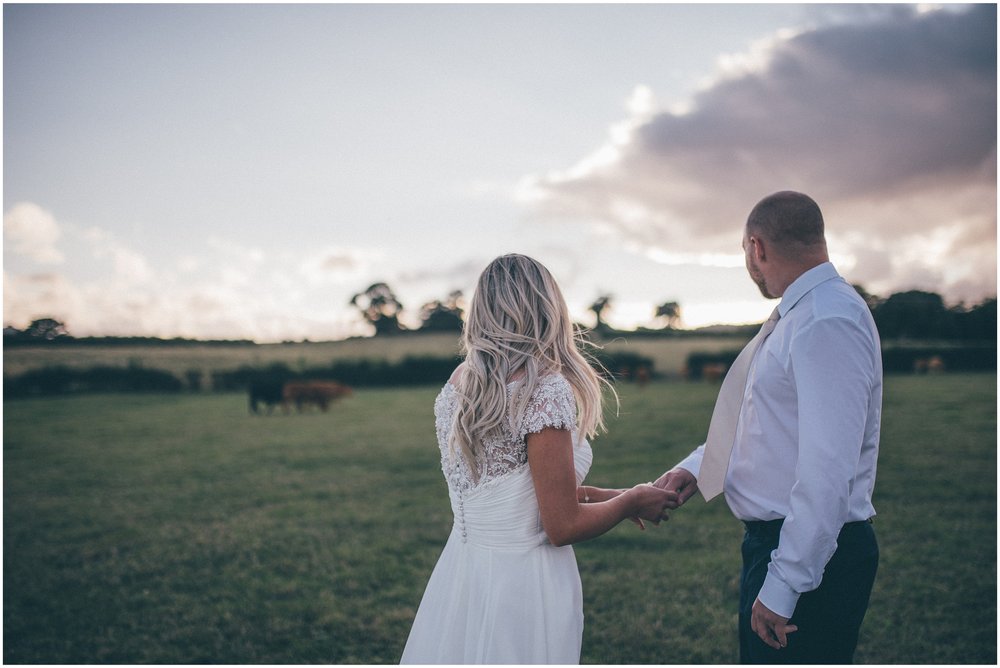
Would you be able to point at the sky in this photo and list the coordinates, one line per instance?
(241, 171)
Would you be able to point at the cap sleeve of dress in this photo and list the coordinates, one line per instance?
(552, 404)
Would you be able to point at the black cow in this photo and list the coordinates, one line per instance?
(265, 391)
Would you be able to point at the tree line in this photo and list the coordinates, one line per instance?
(924, 316)
(914, 315)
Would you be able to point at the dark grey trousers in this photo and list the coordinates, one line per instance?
(828, 617)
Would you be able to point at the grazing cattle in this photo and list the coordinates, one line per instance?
(318, 392)
(935, 364)
(642, 376)
(268, 392)
(714, 372)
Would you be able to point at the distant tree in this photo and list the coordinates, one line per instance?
(670, 312)
(45, 329)
(923, 315)
(600, 305)
(978, 323)
(914, 315)
(380, 307)
(445, 316)
(873, 301)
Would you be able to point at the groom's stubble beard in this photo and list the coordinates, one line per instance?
(757, 276)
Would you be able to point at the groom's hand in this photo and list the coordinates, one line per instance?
(678, 480)
(772, 628)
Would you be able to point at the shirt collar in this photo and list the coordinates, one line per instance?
(804, 283)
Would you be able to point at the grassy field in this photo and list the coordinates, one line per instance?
(178, 529)
(669, 355)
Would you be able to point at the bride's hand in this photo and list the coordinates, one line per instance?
(612, 493)
(651, 503)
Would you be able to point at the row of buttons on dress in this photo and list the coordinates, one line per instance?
(456, 484)
(461, 516)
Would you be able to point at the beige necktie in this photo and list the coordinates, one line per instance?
(722, 429)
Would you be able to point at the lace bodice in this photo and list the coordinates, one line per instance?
(552, 404)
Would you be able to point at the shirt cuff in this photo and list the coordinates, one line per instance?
(692, 463)
(777, 596)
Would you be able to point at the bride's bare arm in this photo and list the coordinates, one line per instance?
(566, 520)
(592, 494)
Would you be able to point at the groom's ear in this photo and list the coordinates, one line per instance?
(758, 249)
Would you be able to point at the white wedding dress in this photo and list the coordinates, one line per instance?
(500, 592)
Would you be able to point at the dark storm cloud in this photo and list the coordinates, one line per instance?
(857, 108)
(890, 124)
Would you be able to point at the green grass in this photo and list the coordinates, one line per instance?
(178, 529)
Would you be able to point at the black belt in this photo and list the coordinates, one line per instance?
(774, 526)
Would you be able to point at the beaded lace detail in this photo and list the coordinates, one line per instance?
(552, 405)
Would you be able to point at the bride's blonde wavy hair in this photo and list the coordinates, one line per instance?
(518, 326)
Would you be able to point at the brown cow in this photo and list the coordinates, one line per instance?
(935, 364)
(318, 392)
(714, 372)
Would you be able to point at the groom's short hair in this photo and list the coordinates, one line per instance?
(787, 219)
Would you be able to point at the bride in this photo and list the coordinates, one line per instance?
(511, 425)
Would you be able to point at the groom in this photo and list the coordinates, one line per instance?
(797, 463)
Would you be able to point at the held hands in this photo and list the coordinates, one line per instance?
(651, 504)
(772, 628)
(680, 481)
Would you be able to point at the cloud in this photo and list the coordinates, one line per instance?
(32, 232)
(889, 122)
(34, 296)
(227, 291)
(337, 266)
(127, 264)
(464, 273)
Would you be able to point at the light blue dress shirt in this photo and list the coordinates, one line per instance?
(807, 438)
